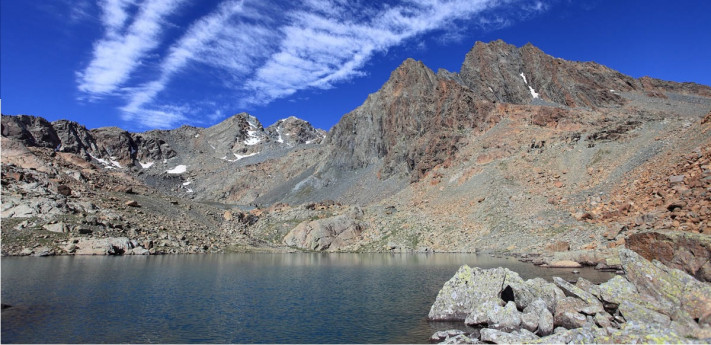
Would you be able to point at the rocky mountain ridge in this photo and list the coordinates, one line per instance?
(514, 152)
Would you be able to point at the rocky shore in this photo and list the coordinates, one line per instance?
(650, 303)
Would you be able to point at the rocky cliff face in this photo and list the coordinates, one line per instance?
(414, 122)
(420, 119)
(503, 73)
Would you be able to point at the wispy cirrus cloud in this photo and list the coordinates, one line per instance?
(227, 39)
(263, 51)
(121, 49)
(325, 43)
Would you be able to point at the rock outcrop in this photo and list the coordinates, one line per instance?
(462, 297)
(329, 234)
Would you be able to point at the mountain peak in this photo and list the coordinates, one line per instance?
(292, 131)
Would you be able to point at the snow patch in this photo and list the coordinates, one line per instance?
(146, 165)
(187, 183)
(252, 138)
(197, 135)
(524, 78)
(190, 190)
(177, 170)
(238, 157)
(106, 164)
(533, 92)
(115, 163)
(280, 140)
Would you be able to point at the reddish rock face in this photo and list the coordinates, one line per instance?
(684, 251)
(416, 121)
(413, 123)
(498, 71)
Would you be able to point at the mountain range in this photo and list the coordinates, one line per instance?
(518, 151)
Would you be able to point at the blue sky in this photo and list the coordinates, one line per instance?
(145, 64)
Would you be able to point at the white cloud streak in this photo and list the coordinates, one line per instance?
(119, 53)
(220, 39)
(324, 45)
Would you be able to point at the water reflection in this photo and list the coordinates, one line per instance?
(239, 298)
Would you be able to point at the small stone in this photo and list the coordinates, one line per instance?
(70, 248)
(676, 179)
(560, 246)
(64, 190)
(442, 335)
(43, 251)
(57, 227)
(131, 203)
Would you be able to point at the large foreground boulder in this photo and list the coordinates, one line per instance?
(471, 287)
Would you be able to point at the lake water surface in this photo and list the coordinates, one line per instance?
(235, 298)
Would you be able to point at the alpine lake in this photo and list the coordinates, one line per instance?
(236, 298)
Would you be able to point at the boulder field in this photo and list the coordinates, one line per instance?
(650, 303)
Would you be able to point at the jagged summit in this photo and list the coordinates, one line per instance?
(294, 131)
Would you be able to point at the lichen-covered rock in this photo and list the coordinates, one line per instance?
(567, 313)
(540, 288)
(43, 251)
(593, 304)
(442, 335)
(583, 335)
(529, 321)
(616, 290)
(634, 332)
(483, 312)
(468, 288)
(460, 339)
(673, 290)
(500, 337)
(536, 316)
(634, 312)
(507, 320)
(588, 287)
